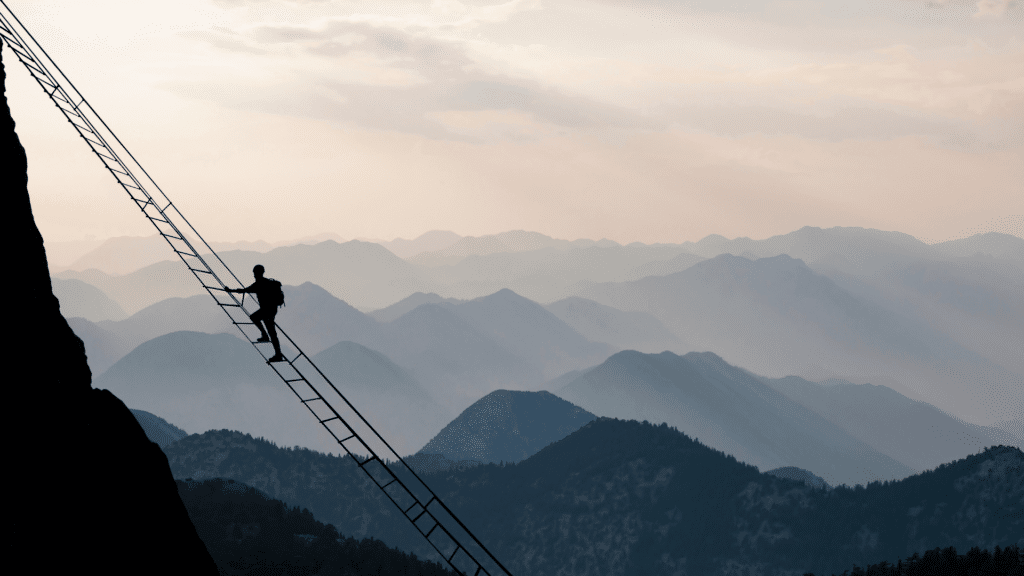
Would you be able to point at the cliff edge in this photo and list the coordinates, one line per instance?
(89, 489)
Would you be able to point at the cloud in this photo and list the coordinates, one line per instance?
(353, 71)
(992, 7)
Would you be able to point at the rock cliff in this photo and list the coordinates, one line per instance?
(90, 491)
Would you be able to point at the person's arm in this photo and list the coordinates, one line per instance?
(250, 289)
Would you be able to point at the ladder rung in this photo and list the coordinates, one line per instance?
(101, 145)
(389, 483)
(171, 236)
(21, 52)
(199, 270)
(295, 380)
(478, 569)
(80, 127)
(31, 67)
(367, 461)
(454, 552)
(406, 512)
(432, 528)
(231, 305)
(243, 323)
(422, 512)
(329, 419)
(307, 399)
(349, 437)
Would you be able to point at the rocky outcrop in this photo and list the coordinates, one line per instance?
(90, 491)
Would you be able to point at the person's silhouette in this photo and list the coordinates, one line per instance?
(264, 289)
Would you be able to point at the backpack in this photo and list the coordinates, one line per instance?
(275, 295)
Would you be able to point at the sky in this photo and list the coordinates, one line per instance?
(649, 121)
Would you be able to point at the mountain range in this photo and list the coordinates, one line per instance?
(729, 410)
(777, 317)
(624, 497)
(507, 426)
(848, 303)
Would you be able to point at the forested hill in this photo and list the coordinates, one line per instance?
(624, 497)
(247, 532)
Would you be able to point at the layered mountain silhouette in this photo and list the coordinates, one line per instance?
(457, 351)
(529, 331)
(504, 243)
(205, 381)
(915, 433)
(636, 498)
(730, 410)
(625, 330)
(385, 394)
(407, 304)
(550, 273)
(157, 429)
(361, 272)
(79, 299)
(507, 426)
(427, 242)
(449, 354)
(777, 317)
(975, 301)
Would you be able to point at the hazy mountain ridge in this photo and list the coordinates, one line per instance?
(157, 429)
(775, 316)
(201, 381)
(915, 433)
(458, 353)
(917, 318)
(729, 410)
(504, 242)
(81, 299)
(625, 330)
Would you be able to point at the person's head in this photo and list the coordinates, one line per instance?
(257, 271)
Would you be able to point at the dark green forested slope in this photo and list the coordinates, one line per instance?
(625, 497)
(247, 532)
(946, 562)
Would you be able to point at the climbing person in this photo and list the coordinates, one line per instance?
(269, 295)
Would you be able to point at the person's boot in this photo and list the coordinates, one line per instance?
(278, 357)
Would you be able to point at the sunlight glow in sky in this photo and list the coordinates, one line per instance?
(650, 120)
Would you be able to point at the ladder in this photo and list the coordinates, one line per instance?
(417, 502)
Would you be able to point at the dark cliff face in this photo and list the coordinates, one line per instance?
(89, 489)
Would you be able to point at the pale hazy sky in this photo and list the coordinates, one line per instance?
(651, 120)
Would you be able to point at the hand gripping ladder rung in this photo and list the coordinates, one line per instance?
(145, 192)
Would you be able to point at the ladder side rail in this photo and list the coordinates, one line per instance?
(69, 89)
(73, 95)
(41, 68)
(396, 479)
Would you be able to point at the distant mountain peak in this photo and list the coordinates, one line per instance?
(507, 425)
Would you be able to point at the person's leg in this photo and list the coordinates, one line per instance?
(257, 317)
(268, 319)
